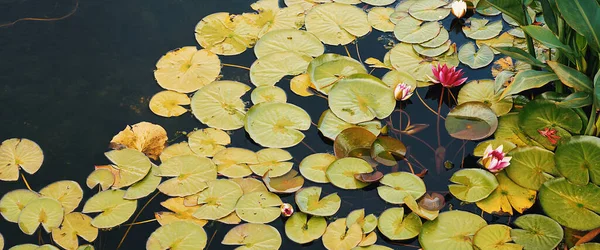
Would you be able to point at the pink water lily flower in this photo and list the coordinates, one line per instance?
(448, 77)
(403, 91)
(494, 159)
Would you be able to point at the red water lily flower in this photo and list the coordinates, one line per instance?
(448, 77)
(550, 134)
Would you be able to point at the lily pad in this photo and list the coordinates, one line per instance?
(18, 154)
(234, 162)
(178, 211)
(273, 162)
(571, 205)
(176, 149)
(218, 104)
(472, 185)
(471, 121)
(68, 193)
(481, 29)
(398, 185)
(496, 237)
(169, 103)
(308, 202)
(258, 207)
(132, 166)
(144, 187)
(484, 91)
(74, 224)
(412, 204)
(13, 202)
(45, 211)
(185, 70)
(468, 55)
(314, 167)
(250, 184)
(395, 226)
(113, 208)
(530, 167)
(395, 77)
(252, 236)
(378, 2)
(268, 94)
(508, 195)
(538, 232)
(190, 175)
(429, 10)
(367, 223)
(218, 200)
(327, 70)
(342, 171)
(102, 177)
(360, 98)
(437, 41)
(331, 126)
(225, 34)
(451, 230)
(302, 230)
(301, 85)
(508, 129)
(269, 69)
(337, 237)
(578, 159)
(207, 142)
(277, 125)
(540, 115)
(379, 18)
(433, 52)
(587, 246)
(336, 23)
(287, 183)
(177, 235)
(411, 30)
(289, 40)
(387, 150)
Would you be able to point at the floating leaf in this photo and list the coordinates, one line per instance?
(451, 230)
(1, 242)
(18, 154)
(484, 91)
(218, 200)
(337, 24)
(177, 235)
(68, 193)
(207, 142)
(530, 167)
(437, 41)
(432, 202)
(541, 115)
(508, 129)
(289, 40)
(102, 177)
(314, 167)
(379, 18)
(145, 137)
(495, 236)
(259, 207)
(132, 166)
(168, 103)
(273, 162)
(272, 18)
(367, 223)
(341, 172)
(144, 187)
(337, 237)
(302, 230)
(34, 247)
(468, 55)
(113, 208)
(301, 85)
(74, 224)
(368, 239)
(327, 70)
(218, 104)
(225, 34)
(250, 185)
(395, 226)
(178, 212)
(481, 30)
(287, 183)
(176, 149)
(412, 204)
(538, 232)
(386, 150)
(378, 2)
(472, 185)
(369, 177)
(429, 10)
(190, 175)
(471, 121)
(508, 195)
(268, 94)
(13, 202)
(372, 247)
(404, 58)
(395, 77)
(577, 159)
(233, 162)
(571, 205)
(433, 52)
(504, 40)
(411, 30)
(186, 70)
(398, 185)
(45, 211)
(269, 69)
(277, 125)
(331, 126)
(308, 202)
(252, 236)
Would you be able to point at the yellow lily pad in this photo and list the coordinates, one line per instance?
(218, 104)
(308, 202)
(287, 183)
(178, 211)
(429, 10)
(250, 185)
(234, 162)
(225, 34)
(268, 94)
(113, 208)
(176, 149)
(13, 202)
(132, 166)
(398, 185)
(331, 126)
(301, 85)
(18, 154)
(481, 29)
(207, 142)
(102, 177)
(218, 200)
(495, 237)
(168, 103)
(44, 210)
(178, 235)
(508, 195)
(484, 91)
(258, 207)
(190, 175)
(145, 137)
(341, 172)
(73, 225)
(68, 193)
(336, 237)
(337, 24)
(395, 226)
(277, 125)
(251, 236)
(368, 239)
(269, 69)
(314, 167)
(328, 69)
(411, 30)
(379, 18)
(289, 40)
(231, 219)
(144, 187)
(272, 161)
(412, 204)
(187, 69)
(367, 223)
(302, 230)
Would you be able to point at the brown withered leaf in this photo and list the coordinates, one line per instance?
(145, 137)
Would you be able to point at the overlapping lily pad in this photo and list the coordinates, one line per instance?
(338, 237)
(541, 115)
(268, 94)
(495, 236)
(331, 126)
(368, 223)
(13, 202)
(398, 185)
(113, 208)
(395, 226)
(571, 205)
(287, 183)
(336, 23)
(277, 125)
(537, 232)
(68, 193)
(411, 30)
(251, 236)
(472, 185)
(379, 18)
(314, 167)
(190, 174)
(429, 10)
(131, 165)
(471, 121)
(481, 29)
(234, 162)
(272, 161)
(100, 177)
(530, 167)
(258, 207)
(341, 172)
(578, 159)
(73, 225)
(225, 34)
(207, 142)
(451, 230)
(328, 69)
(308, 201)
(269, 69)
(484, 91)
(187, 69)
(45, 211)
(218, 200)
(508, 195)
(177, 235)
(475, 59)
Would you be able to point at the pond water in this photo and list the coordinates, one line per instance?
(70, 85)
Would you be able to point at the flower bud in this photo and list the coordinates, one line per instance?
(402, 92)
(287, 210)
(459, 8)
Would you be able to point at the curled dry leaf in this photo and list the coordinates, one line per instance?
(145, 137)
(369, 177)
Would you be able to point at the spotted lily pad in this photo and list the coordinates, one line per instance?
(289, 40)
(451, 230)
(258, 207)
(398, 185)
(251, 236)
(178, 211)
(234, 162)
(68, 193)
(578, 159)
(472, 185)
(537, 232)
(177, 235)
(471, 121)
(395, 226)
(336, 23)
(269, 69)
(113, 208)
(74, 224)
(225, 34)
(308, 202)
(277, 125)
(300, 229)
(571, 205)
(18, 154)
(218, 104)
(207, 142)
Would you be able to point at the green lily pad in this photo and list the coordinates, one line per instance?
(13, 202)
(234, 162)
(484, 91)
(269, 69)
(272, 161)
(302, 230)
(578, 159)
(451, 230)
(224, 34)
(429, 10)
(432, 52)
(218, 104)
(395, 226)
(341, 172)
(44, 211)
(209, 141)
(368, 223)
(133, 166)
(336, 23)
(495, 237)
(572, 206)
(102, 177)
(351, 140)
(539, 115)
(337, 237)
(258, 207)
(360, 98)
(395, 77)
(289, 40)
(472, 185)
(508, 195)
(468, 55)
(387, 150)
(331, 126)
(251, 236)
(471, 121)
(277, 125)
(308, 202)
(437, 41)
(378, 2)
(508, 129)
(379, 18)
(218, 200)
(530, 167)
(587, 246)
(177, 235)
(537, 232)
(480, 29)
(314, 167)
(328, 69)
(398, 185)
(411, 30)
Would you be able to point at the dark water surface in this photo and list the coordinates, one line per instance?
(70, 85)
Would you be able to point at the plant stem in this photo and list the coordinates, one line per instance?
(591, 126)
(530, 46)
(26, 183)
(235, 66)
